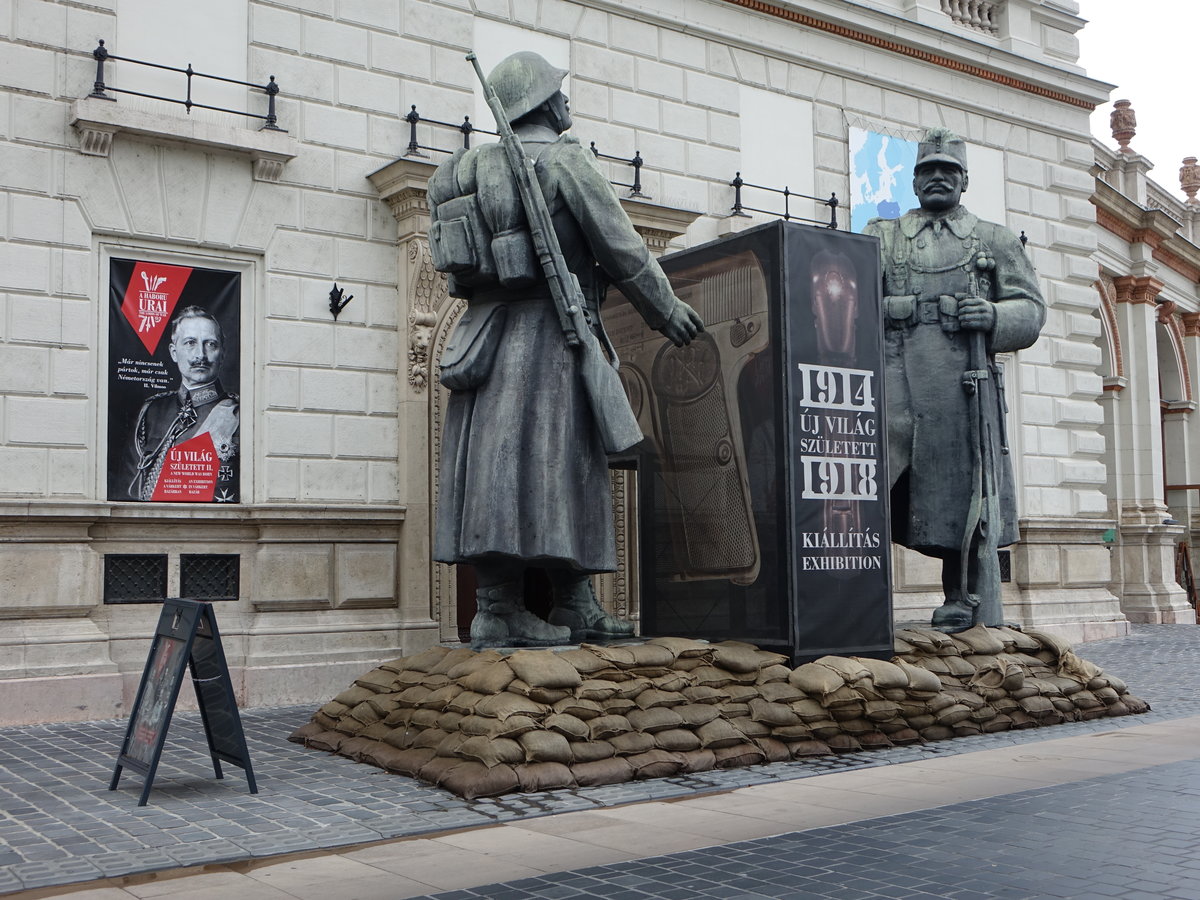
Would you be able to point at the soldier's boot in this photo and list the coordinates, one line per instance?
(501, 620)
(956, 614)
(575, 606)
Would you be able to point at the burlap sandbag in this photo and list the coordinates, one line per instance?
(1053, 643)
(735, 710)
(354, 695)
(696, 714)
(655, 763)
(605, 727)
(789, 733)
(683, 648)
(451, 743)
(590, 751)
(489, 679)
(404, 762)
(492, 751)
(404, 737)
(593, 689)
(377, 680)
(501, 706)
(750, 728)
(473, 663)
(809, 710)
(807, 749)
(697, 761)
(515, 726)
(571, 727)
(981, 639)
(781, 692)
(618, 706)
(906, 736)
(328, 741)
(426, 737)
(704, 694)
(874, 740)
(471, 780)
(438, 698)
(537, 694)
(673, 681)
(719, 733)
(449, 721)
(850, 668)
(335, 710)
(844, 743)
(349, 726)
(467, 701)
(544, 669)
(773, 714)
(327, 723)
(736, 656)
(632, 742)
(629, 690)
(881, 710)
(653, 698)
(774, 674)
(408, 678)
(737, 755)
(677, 739)
(544, 776)
(545, 746)
(884, 675)
(365, 713)
(712, 677)
(429, 718)
(425, 661)
(858, 727)
(901, 646)
(653, 720)
(937, 733)
(774, 750)
(824, 729)
(585, 661)
(582, 709)
(301, 734)
(816, 681)
(621, 657)
(615, 770)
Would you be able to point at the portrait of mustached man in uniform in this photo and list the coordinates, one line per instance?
(198, 406)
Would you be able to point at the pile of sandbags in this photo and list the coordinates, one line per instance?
(487, 723)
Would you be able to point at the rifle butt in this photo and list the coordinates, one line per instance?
(615, 421)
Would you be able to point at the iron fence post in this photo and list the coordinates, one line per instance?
(100, 55)
(833, 205)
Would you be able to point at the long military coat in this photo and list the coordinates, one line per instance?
(523, 473)
(926, 257)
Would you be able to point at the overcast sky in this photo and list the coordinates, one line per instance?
(1146, 50)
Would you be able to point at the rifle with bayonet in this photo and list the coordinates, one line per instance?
(598, 364)
(981, 536)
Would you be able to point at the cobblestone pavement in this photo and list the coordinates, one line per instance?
(59, 824)
(1130, 836)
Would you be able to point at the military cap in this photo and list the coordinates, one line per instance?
(941, 145)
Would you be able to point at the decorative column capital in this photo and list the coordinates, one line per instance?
(1137, 289)
(1191, 324)
(402, 185)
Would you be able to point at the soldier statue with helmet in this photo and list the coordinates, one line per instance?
(524, 473)
(957, 291)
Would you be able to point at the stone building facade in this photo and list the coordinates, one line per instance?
(329, 542)
(1149, 256)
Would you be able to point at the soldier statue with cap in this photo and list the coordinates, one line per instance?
(524, 473)
(957, 291)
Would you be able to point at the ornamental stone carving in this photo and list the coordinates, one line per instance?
(1123, 122)
(1189, 178)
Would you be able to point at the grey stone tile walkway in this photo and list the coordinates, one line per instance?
(59, 824)
(1125, 836)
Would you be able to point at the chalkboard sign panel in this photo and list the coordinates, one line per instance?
(186, 635)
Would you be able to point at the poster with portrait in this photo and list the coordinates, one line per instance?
(174, 367)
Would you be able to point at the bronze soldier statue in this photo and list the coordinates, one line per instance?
(524, 471)
(957, 291)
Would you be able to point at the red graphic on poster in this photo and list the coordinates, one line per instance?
(150, 299)
(189, 472)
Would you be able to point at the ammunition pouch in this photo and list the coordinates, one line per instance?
(467, 360)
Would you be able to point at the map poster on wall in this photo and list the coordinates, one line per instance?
(173, 381)
(881, 168)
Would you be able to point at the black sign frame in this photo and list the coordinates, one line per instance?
(186, 637)
(784, 302)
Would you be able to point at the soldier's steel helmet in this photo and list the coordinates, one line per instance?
(941, 145)
(524, 81)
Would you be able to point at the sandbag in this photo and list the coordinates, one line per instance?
(544, 776)
(544, 669)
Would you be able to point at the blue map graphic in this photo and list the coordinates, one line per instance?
(880, 177)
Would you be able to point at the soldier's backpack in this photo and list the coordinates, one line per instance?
(479, 238)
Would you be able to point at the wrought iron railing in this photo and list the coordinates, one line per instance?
(466, 128)
(741, 209)
(100, 88)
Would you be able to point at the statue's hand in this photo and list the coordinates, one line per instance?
(976, 314)
(682, 324)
